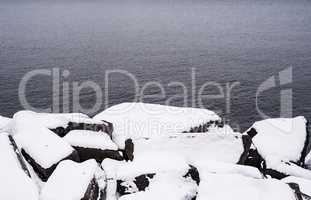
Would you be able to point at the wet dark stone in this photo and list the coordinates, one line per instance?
(247, 142)
(252, 132)
(194, 174)
(128, 152)
(97, 154)
(106, 127)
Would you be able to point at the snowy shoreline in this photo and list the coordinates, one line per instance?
(135, 151)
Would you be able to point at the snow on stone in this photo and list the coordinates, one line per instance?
(51, 120)
(137, 120)
(304, 184)
(235, 186)
(69, 181)
(281, 139)
(168, 185)
(44, 146)
(90, 139)
(14, 183)
(192, 147)
(291, 169)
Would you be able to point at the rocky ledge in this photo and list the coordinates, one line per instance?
(136, 151)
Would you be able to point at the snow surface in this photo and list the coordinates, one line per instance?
(281, 139)
(235, 186)
(4, 123)
(137, 120)
(14, 183)
(90, 139)
(43, 145)
(69, 181)
(192, 147)
(304, 184)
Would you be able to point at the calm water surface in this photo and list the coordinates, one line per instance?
(225, 41)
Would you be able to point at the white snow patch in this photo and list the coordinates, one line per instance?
(281, 139)
(192, 147)
(69, 181)
(14, 183)
(90, 139)
(235, 186)
(137, 120)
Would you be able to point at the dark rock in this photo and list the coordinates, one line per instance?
(97, 154)
(92, 192)
(128, 152)
(252, 132)
(194, 174)
(247, 142)
(19, 156)
(141, 182)
(296, 189)
(106, 127)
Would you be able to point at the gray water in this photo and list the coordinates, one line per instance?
(225, 41)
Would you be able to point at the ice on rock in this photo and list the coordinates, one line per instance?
(72, 181)
(138, 120)
(15, 184)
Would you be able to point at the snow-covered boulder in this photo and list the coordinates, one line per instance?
(277, 141)
(72, 181)
(92, 144)
(166, 185)
(138, 120)
(236, 186)
(126, 178)
(15, 184)
(43, 149)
